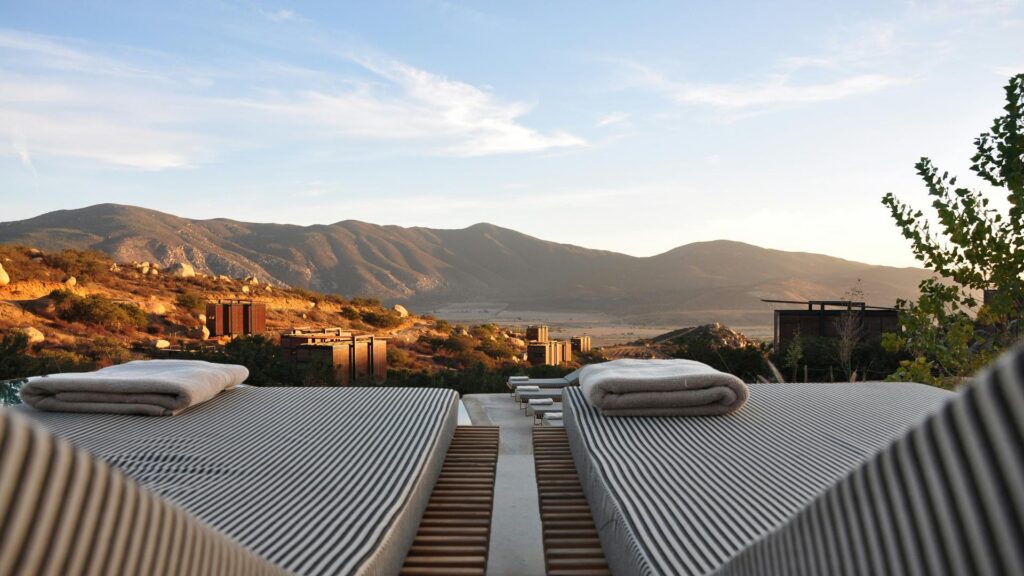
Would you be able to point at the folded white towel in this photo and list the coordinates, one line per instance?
(553, 416)
(145, 387)
(541, 402)
(527, 388)
(661, 388)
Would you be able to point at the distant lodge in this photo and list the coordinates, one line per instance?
(236, 317)
(824, 319)
(540, 349)
(355, 358)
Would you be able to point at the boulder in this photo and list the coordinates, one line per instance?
(114, 267)
(245, 289)
(182, 270)
(223, 278)
(268, 289)
(157, 308)
(252, 280)
(153, 271)
(204, 333)
(71, 282)
(35, 252)
(34, 335)
(402, 312)
(5, 278)
(201, 318)
(161, 344)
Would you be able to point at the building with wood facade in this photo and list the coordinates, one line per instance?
(537, 333)
(236, 317)
(826, 318)
(581, 344)
(355, 358)
(552, 352)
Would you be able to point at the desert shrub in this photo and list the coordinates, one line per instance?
(105, 351)
(398, 357)
(350, 313)
(98, 310)
(746, 362)
(382, 319)
(457, 343)
(84, 265)
(366, 302)
(15, 361)
(443, 326)
(497, 349)
(191, 301)
(261, 355)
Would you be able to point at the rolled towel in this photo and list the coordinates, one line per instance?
(144, 387)
(541, 402)
(553, 416)
(527, 388)
(661, 388)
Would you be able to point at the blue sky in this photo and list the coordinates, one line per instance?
(633, 127)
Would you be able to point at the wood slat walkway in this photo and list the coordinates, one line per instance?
(455, 532)
(571, 545)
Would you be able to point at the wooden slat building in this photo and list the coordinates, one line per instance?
(823, 319)
(236, 317)
(356, 358)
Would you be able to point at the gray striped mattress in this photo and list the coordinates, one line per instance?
(316, 480)
(682, 495)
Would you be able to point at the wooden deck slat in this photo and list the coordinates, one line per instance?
(455, 532)
(571, 544)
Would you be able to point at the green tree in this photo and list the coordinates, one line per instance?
(976, 248)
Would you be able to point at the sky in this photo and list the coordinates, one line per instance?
(627, 126)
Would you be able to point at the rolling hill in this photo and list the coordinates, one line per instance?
(429, 268)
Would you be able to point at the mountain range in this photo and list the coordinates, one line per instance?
(428, 268)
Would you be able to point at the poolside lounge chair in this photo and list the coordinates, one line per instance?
(570, 379)
(867, 478)
(300, 478)
(523, 396)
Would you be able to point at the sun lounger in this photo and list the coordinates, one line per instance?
(681, 495)
(806, 479)
(522, 396)
(570, 379)
(313, 480)
(64, 512)
(552, 419)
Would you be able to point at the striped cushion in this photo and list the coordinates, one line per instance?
(316, 480)
(682, 495)
(947, 498)
(64, 512)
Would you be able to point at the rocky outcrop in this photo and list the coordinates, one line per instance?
(402, 312)
(71, 282)
(33, 334)
(5, 278)
(182, 270)
(161, 344)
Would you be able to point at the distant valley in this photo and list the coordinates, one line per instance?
(450, 270)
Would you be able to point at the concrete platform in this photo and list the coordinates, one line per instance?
(517, 547)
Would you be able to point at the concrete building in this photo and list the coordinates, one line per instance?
(356, 358)
(236, 317)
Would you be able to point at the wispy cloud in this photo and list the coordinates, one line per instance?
(21, 151)
(281, 15)
(407, 103)
(75, 101)
(612, 119)
(777, 91)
